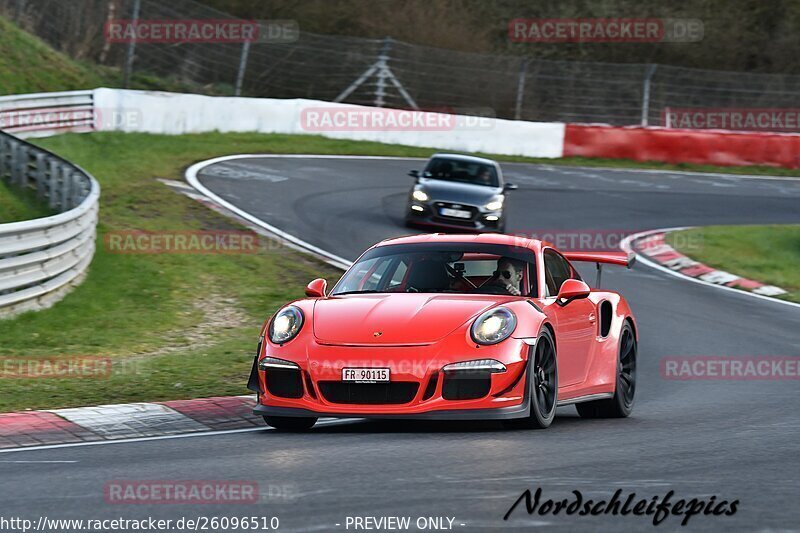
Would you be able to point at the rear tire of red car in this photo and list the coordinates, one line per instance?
(289, 423)
(543, 380)
(621, 405)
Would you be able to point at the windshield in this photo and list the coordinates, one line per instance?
(442, 268)
(440, 168)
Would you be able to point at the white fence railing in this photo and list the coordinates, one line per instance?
(32, 115)
(41, 259)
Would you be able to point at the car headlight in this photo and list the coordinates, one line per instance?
(496, 204)
(420, 196)
(493, 326)
(286, 324)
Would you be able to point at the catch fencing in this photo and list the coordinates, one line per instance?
(396, 74)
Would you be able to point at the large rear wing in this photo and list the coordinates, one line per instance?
(609, 258)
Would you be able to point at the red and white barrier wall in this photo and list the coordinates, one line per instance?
(175, 114)
(705, 147)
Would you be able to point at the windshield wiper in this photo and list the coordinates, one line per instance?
(354, 292)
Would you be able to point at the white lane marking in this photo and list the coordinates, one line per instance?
(244, 172)
(640, 258)
(330, 422)
(191, 177)
(37, 462)
(130, 420)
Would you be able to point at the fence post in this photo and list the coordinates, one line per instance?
(66, 182)
(383, 60)
(523, 70)
(22, 162)
(52, 196)
(237, 91)
(126, 75)
(651, 69)
(13, 164)
(41, 175)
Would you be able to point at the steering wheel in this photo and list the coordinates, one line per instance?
(494, 289)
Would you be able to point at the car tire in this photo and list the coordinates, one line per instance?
(543, 382)
(290, 423)
(621, 405)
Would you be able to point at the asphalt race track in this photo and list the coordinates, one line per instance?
(736, 440)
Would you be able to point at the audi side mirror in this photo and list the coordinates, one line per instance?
(510, 187)
(414, 173)
(317, 288)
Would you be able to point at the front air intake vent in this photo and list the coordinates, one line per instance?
(466, 385)
(394, 392)
(284, 383)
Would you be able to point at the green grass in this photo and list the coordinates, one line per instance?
(769, 254)
(29, 65)
(16, 205)
(174, 326)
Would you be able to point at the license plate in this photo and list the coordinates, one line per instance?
(455, 213)
(365, 375)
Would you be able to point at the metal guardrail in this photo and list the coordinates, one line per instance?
(47, 113)
(42, 259)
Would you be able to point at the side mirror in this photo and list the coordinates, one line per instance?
(572, 289)
(414, 173)
(317, 288)
(510, 187)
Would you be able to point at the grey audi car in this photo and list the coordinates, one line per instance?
(459, 192)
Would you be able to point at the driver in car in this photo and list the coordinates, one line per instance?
(484, 177)
(507, 277)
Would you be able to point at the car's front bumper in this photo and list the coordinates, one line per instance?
(427, 213)
(320, 392)
(498, 413)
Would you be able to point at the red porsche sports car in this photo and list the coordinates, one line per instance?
(453, 327)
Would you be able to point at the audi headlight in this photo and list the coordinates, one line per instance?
(286, 324)
(496, 204)
(493, 326)
(420, 196)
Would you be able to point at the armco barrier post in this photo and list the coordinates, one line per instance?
(41, 176)
(53, 184)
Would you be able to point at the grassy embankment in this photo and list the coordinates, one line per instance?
(769, 254)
